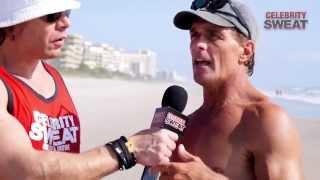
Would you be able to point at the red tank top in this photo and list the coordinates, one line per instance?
(50, 123)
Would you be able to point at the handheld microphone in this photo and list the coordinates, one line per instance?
(169, 116)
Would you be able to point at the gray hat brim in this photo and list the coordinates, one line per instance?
(184, 19)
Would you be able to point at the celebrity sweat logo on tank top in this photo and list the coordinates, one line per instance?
(57, 133)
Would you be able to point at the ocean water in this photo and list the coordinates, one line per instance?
(299, 109)
(298, 102)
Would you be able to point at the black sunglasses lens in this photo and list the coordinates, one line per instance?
(55, 16)
(209, 4)
(52, 17)
(197, 4)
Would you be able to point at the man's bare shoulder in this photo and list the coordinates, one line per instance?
(266, 112)
(267, 123)
(273, 140)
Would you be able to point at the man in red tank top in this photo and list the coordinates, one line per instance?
(52, 123)
(39, 123)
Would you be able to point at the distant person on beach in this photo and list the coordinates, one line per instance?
(237, 133)
(39, 124)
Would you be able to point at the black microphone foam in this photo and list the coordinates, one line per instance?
(175, 97)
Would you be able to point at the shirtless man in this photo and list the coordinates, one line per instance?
(39, 124)
(237, 133)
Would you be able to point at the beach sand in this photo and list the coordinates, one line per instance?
(110, 108)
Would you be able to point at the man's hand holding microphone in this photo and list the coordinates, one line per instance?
(154, 146)
(170, 119)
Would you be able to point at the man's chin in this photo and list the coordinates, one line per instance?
(53, 54)
(201, 80)
(205, 80)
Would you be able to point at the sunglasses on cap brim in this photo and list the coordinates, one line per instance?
(213, 6)
(51, 18)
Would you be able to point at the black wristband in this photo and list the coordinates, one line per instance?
(125, 158)
(119, 153)
(131, 160)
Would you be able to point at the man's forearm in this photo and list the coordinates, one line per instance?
(93, 164)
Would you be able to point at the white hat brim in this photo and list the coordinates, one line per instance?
(42, 8)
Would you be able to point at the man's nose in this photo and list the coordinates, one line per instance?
(201, 43)
(64, 22)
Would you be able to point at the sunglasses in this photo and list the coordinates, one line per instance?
(51, 18)
(213, 6)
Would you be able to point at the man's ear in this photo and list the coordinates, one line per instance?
(248, 52)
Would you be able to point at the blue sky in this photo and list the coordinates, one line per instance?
(288, 58)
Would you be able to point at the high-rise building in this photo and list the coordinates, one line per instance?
(72, 53)
(77, 52)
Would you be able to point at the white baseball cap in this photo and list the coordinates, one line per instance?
(14, 12)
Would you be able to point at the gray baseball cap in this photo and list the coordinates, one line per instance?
(233, 13)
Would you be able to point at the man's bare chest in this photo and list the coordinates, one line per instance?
(220, 144)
